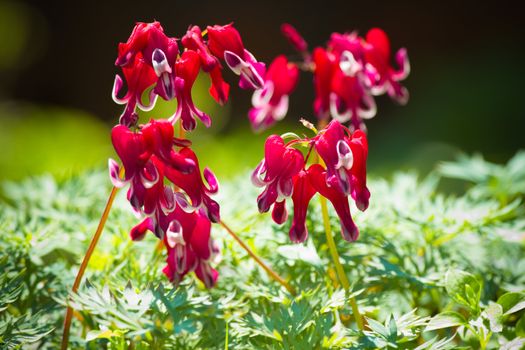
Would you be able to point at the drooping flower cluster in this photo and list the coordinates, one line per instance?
(165, 183)
(284, 174)
(347, 74)
(166, 188)
(151, 62)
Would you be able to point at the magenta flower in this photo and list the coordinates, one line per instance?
(275, 173)
(225, 43)
(158, 51)
(193, 185)
(181, 218)
(345, 158)
(190, 247)
(283, 173)
(139, 77)
(270, 103)
(317, 178)
(325, 65)
(340, 84)
(159, 139)
(187, 69)
(350, 101)
(193, 41)
(348, 72)
(384, 78)
(302, 194)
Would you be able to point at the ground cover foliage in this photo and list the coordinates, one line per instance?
(431, 269)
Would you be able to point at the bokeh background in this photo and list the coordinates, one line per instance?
(56, 74)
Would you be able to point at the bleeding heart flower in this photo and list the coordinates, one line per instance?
(302, 194)
(193, 185)
(317, 176)
(325, 65)
(139, 77)
(270, 103)
(187, 69)
(385, 78)
(276, 171)
(225, 43)
(345, 157)
(189, 244)
(282, 172)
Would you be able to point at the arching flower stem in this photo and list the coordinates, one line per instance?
(343, 279)
(258, 260)
(85, 262)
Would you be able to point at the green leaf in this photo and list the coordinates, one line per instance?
(463, 288)
(102, 334)
(512, 302)
(520, 327)
(494, 313)
(306, 253)
(514, 344)
(445, 319)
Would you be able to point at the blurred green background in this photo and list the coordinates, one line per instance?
(56, 74)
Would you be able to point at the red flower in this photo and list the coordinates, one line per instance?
(219, 89)
(148, 156)
(190, 247)
(302, 194)
(158, 51)
(345, 158)
(276, 171)
(193, 41)
(383, 76)
(225, 43)
(142, 39)
(282, 173)
(224, 38)
(187, 70)
(317, 175)
(270, 104)
(194, 187)
(350, 101)
(139, 77)
(325, 65)
(158, 135)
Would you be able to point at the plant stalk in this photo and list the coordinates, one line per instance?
(338, 267)
(333, 249)
(258, 260)
(85, 262)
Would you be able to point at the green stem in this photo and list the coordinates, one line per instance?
(338, 267)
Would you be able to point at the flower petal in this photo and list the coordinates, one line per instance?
(139, 231)
(114, 174)
(302, 194)
(279, 212)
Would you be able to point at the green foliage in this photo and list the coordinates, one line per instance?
(429, 270)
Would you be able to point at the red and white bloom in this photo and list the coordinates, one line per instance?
(270, 104)
(225, 43)
(385, 78)
(283, 173)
